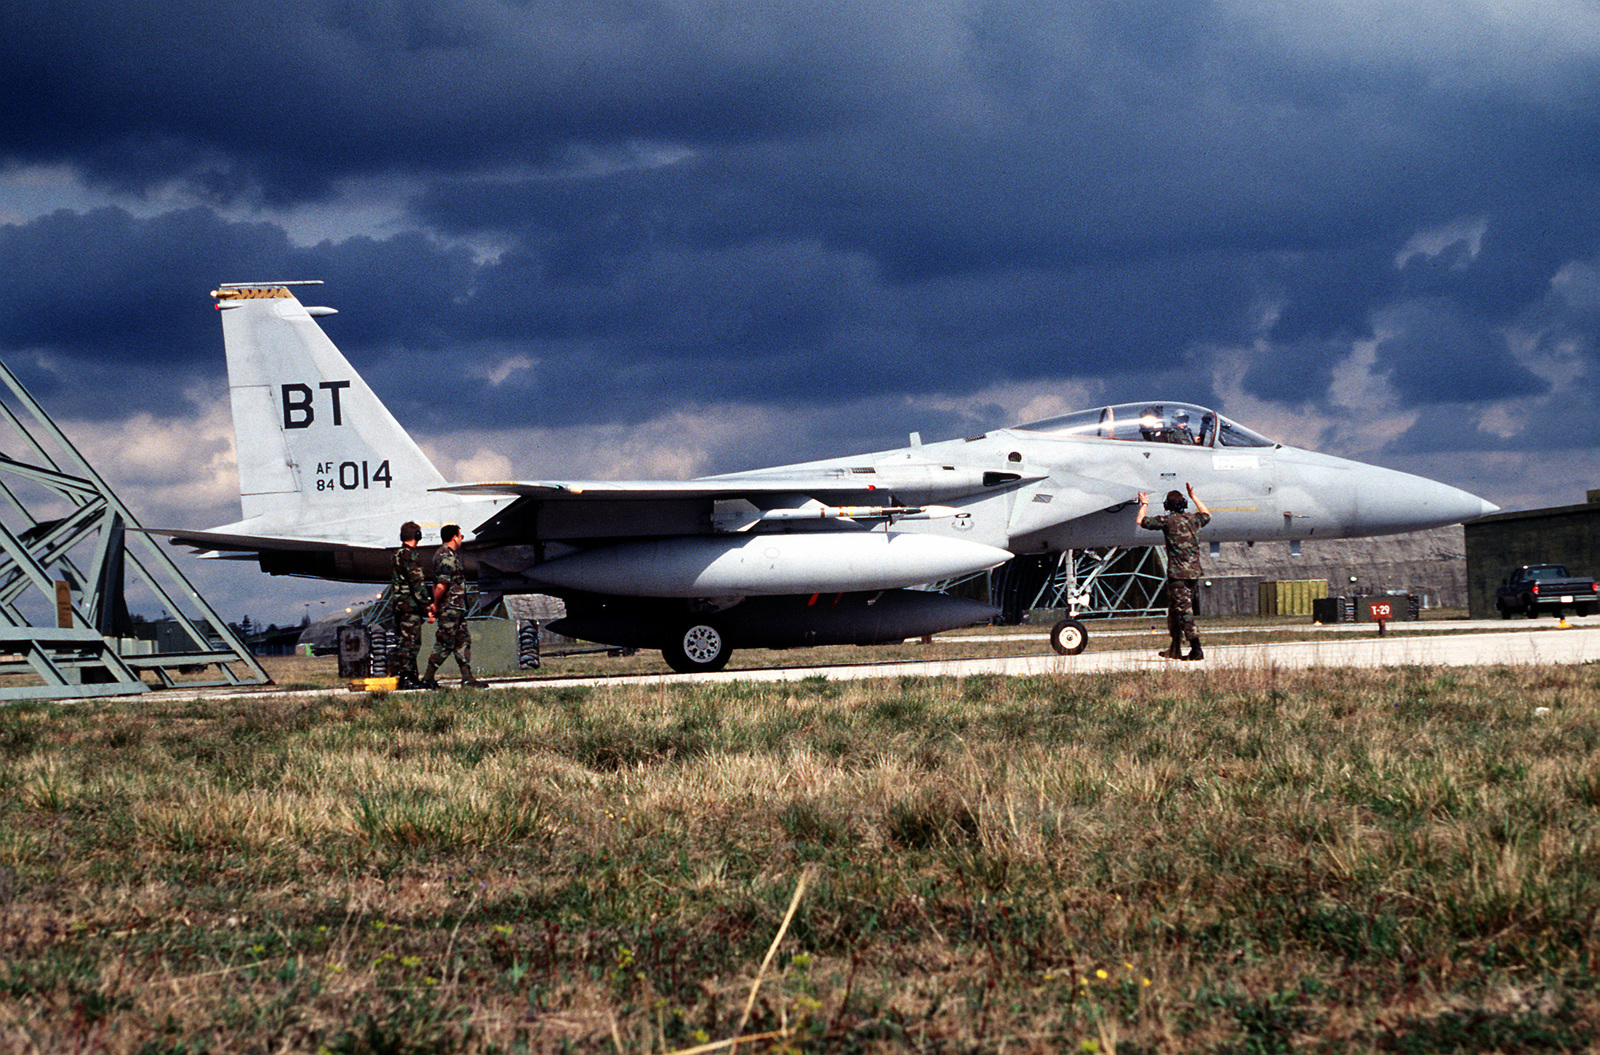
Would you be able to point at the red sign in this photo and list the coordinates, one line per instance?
(1382, 611)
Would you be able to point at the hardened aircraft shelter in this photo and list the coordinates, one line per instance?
(72, 559)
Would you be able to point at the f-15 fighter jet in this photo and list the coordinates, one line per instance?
(819, 552)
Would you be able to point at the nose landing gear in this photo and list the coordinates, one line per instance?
(1069, 637)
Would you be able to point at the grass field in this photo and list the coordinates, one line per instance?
(1403, 860)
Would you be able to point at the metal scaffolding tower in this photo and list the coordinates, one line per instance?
(1096, 583)
(71, 555)
(1105, 582)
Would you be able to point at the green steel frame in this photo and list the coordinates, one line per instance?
(93, 548)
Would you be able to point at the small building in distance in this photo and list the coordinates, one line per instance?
(1499, 542)
(1430, 565)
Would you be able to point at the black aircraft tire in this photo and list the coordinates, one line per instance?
(697, 647)
(1069, 637)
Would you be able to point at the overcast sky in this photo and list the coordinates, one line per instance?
(668, 237)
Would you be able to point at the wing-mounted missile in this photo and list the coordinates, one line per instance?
(740, 514)
(910, 482)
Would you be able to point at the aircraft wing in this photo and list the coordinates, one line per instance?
(650, 490)
(579, 490)
(595, 509)
(924, 480)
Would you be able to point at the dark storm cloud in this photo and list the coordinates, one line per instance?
(1529, 237)
(1439, 356)
(1296, 373)
(816, 205)
(793, 324)
(105, 284)
(294, 97)
(104, 313)
(1043, 136)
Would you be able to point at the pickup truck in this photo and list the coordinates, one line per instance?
(1535, 588)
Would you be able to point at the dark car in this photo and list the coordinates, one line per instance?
(1535, 588)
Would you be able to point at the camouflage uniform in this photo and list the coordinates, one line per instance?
(1183, 567)
(451, 634)
(408, 593)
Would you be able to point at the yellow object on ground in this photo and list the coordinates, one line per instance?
(1289, 596)
(375, 684)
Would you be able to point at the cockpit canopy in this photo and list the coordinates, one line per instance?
(1182, 423)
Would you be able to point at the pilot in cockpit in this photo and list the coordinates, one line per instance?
(1178, 431)
(1150, 425)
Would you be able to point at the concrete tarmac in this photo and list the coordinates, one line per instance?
(1532, 644)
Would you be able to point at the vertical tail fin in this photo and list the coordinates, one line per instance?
(315, 443)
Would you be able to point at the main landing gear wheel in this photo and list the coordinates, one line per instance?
(698, 647)
(1069, 637)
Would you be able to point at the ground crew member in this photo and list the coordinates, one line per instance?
(409, 596)
(1182, 531)
(449, 608)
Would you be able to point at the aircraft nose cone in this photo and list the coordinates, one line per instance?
(1462, 505)
(1402, 502)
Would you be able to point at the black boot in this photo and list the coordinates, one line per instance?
(409, 680)
(469, 682)
(1174, 650)
(1194, 649)
(426, 681)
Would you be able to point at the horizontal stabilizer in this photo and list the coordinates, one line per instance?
(224, 542)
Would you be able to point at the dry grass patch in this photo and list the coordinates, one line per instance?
(1259, 860)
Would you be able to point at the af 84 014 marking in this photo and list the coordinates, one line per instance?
(353, 476)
